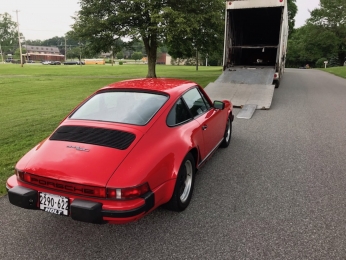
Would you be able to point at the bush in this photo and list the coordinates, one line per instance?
(121, 63)
(334, 61)
(320, 63)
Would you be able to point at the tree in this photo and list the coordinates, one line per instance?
(8, 33)
(34, 42)
(195, 27)
(120, 55)
(55, 41)
(17, 53)
(137, 56)
(73, 53)
(331, 18)
(309, 43)
(292, 11)
(101, 23)
(214, 58)
(136, 46)
(152, 21)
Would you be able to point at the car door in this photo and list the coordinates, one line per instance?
(208, 118)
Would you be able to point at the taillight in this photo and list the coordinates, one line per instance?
(128, 193)
(69, 187)
(22, 176)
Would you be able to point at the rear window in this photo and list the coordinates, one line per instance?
(135, 108)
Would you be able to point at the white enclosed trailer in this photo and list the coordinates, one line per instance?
(255, 44)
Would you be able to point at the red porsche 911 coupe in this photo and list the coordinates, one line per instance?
(127, 149)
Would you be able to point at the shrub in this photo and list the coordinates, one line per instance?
(320, 63)
(334, 61)
(121, 63)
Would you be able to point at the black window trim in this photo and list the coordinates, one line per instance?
(197, 116)
(187, 107)
(205, 100)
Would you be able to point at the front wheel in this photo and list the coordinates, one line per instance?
(228, 134)
(184, 185)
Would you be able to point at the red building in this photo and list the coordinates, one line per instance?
(40, 53)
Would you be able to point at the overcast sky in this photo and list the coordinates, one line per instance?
(44, 19)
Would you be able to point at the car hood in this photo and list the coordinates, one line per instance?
(77, 162)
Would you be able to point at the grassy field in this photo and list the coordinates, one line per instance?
(338, 71)
(35, 98)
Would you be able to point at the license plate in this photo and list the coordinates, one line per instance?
(54, 204)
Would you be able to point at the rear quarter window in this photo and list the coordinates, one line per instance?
(179, 114)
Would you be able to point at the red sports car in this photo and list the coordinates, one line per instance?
(125, 150)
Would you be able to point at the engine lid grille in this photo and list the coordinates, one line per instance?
(97, 136)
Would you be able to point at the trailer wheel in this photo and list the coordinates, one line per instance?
(277, 83)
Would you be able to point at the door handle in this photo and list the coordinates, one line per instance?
(204, 127)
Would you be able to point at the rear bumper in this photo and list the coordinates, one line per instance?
(83, 210)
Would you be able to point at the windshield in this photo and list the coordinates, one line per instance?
(122, 107)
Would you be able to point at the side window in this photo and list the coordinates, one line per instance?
(205, 101)
(196, 102)
(178, 114)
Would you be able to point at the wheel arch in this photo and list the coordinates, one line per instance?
(195, 153)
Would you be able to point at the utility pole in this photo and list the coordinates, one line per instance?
(20, 45)
(26, 48)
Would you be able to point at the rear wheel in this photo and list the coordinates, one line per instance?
(228, 134)
(184, 185)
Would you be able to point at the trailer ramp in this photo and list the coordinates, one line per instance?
(254, 75)
(247, 87)
(242, 94)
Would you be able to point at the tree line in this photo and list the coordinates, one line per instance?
(322, 38)
(185, 29)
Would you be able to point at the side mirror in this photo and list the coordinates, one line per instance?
(219, 105)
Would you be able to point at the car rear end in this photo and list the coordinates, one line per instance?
(69, 173)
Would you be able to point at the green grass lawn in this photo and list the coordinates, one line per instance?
(338, 71)
(35, 98)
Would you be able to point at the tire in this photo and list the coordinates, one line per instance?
(228, 135)
(277, 83)
(184, 185)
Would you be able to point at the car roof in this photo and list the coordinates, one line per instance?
(166, 85)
